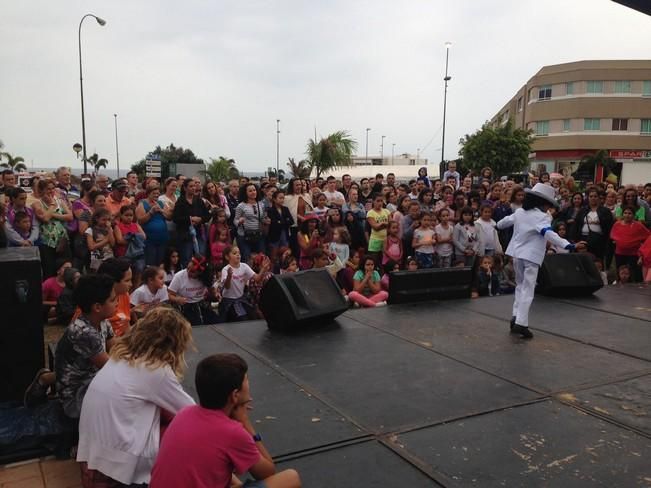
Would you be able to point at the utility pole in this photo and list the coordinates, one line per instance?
(277, 148)
(445, 97)
(117, 152)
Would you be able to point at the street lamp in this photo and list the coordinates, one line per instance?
(277, 148)
(445, 96)
(117, 152)
(382, 149)
(393, 150)
(366, 157)
(101, 22)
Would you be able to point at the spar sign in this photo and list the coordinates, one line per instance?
(623, 154)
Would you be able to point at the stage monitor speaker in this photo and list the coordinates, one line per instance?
(568, 275)
(21, 327)
(430, 284)
(293, 301)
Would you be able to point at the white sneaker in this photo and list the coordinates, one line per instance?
(381, 304)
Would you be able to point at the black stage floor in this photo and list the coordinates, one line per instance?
(440, 394)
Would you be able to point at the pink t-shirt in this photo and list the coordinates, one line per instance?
(201, 449)
(51, 289)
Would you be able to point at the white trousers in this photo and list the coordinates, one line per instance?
(526, 274)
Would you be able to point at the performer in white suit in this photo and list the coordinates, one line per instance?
(531, 229)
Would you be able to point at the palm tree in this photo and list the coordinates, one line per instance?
(331, 152)
(97, 162)
(602, 158)
(16, 164)
(221, 169)
(301, 169)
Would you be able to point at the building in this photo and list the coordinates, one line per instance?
(404, 159)
(576, 109)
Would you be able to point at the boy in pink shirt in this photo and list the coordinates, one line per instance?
(206, 444)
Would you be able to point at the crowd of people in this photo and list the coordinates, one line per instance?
(112, 253)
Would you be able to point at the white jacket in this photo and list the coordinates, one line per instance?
(483, 238)
(531, 230)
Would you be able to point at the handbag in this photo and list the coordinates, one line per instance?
(136, 247)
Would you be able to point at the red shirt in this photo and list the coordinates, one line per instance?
(201, 449)
(628, 237)
(51, 289)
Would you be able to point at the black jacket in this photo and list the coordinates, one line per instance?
(182, 213)
(279, 221)
(605, 221)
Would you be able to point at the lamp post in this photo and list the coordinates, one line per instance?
(101, 22)
(445, 97)
(277, 148)
(393, 150)
(117, 152)
(366, 157)
(382, 149)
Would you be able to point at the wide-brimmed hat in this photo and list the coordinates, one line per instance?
(546, 192)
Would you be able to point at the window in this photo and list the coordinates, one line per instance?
(520, 101)
(646, 126)
(566, 125)
(595, 87)
(542, 128)
(591, 124)
(620, 124)
(622, 87)
(545, 92)
(569, 88)
(646, 88)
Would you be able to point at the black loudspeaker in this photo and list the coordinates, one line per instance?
(430, 284)
(292, 301)
(568, 275)
(21, 330)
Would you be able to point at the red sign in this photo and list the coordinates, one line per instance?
(621, 154)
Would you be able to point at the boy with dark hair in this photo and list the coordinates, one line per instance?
(207, 443)
(82, 350)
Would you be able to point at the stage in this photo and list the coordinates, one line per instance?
(440, 394)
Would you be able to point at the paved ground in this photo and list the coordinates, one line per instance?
(41, 474)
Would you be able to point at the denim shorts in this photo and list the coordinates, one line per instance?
(425, 260)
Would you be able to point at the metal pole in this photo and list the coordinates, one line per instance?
(117, 152)
(81, 90)
(445, 97)
(277, 148)
(366, 157)
(382, 149)
(393, 150)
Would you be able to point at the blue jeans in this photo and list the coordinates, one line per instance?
(186, 250)
(246, 248)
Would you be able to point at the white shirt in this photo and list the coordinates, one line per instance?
(119, 427)
(144, 295)
(444, 248)
(488, 235)
(591, 223)
(191, 289)
(241, 276)
(531, 228)
(335, 197)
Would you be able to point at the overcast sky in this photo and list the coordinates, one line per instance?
(215, 76)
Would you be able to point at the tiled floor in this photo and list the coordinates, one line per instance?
(41, 474)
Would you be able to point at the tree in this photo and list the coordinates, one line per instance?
(590, 163)
(504, 149)
(301, 169)
(221, 169)
(97, 162)
(14, 163)
(170, 158)
(331, 152)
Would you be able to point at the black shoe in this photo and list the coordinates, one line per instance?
(513, 325)
(36, 393)
(523, 331)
